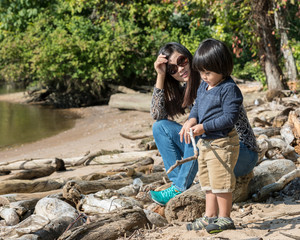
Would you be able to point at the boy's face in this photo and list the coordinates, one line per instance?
(211, 78)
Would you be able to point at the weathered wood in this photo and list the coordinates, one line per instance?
(33, 173)
(266, 131)
(186, 206)
(294, 121)
(109, 226)
(134, 137)
(287, 133)
(21, 207)
(93, 159)
(276, 186)
(30, 186)
(88, 157)
(74, 189)
(9, 215)
(122, 157)
(268, 172)
(261, 122)
(136, 101)
(55, 228)
(91, 204)
(122, 89)
(29, 225)
(37, 163)
(7, 199)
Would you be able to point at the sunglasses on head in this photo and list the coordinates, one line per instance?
(181, 62)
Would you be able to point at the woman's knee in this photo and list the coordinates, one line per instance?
(158, 127)
(165, 127)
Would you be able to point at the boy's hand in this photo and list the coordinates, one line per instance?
(198, 129)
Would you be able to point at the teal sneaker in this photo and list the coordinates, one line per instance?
(221, 224)
(162, 197)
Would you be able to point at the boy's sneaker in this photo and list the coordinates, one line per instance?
(162, 197)
(221, 224)
(200, 223)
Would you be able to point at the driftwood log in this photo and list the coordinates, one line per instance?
(29, 164)
(276, 186)
(33, 173)
(74, 189)
(7, 199)
(186, 206)
(30, 186)
(136, 101)
(97, 158)
(109, 226)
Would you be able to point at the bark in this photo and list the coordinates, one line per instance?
(289, 62)
(108, 226)
(264, 28)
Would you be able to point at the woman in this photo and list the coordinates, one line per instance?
(174, 92)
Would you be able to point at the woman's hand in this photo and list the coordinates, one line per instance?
(184, 132)
(160, 65)
(161, 68)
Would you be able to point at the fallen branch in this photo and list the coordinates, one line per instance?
(276, 186)
(134, 137)
(179, 162)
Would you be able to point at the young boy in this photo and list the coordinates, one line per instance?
(212, 118)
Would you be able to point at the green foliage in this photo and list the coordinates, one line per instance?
(76, 46)
(250, 71)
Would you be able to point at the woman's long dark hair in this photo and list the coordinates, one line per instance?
(176, 97)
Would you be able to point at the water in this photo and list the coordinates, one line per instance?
(21, 123)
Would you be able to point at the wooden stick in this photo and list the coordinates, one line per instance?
(179, 162)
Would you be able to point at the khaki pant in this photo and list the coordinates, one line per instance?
(217, 158)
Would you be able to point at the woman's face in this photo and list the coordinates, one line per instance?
(183, 69)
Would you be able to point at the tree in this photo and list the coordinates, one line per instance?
(267, 49)
(281, 26)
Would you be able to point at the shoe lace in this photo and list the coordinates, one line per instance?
(168, 193)
(223, 222)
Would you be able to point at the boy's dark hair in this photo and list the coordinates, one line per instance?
(213, 55)
(178, 98)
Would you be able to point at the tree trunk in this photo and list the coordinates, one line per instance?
(289, 62)
(264, 24)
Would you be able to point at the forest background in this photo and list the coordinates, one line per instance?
(76, 49)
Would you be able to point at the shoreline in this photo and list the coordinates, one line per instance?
(98, 127)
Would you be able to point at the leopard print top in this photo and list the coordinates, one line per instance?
(243, 127)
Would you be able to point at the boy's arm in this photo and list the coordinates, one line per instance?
(232, 100)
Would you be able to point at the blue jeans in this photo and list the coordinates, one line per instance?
(167, 139)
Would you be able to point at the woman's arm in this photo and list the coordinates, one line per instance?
(157, 108)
